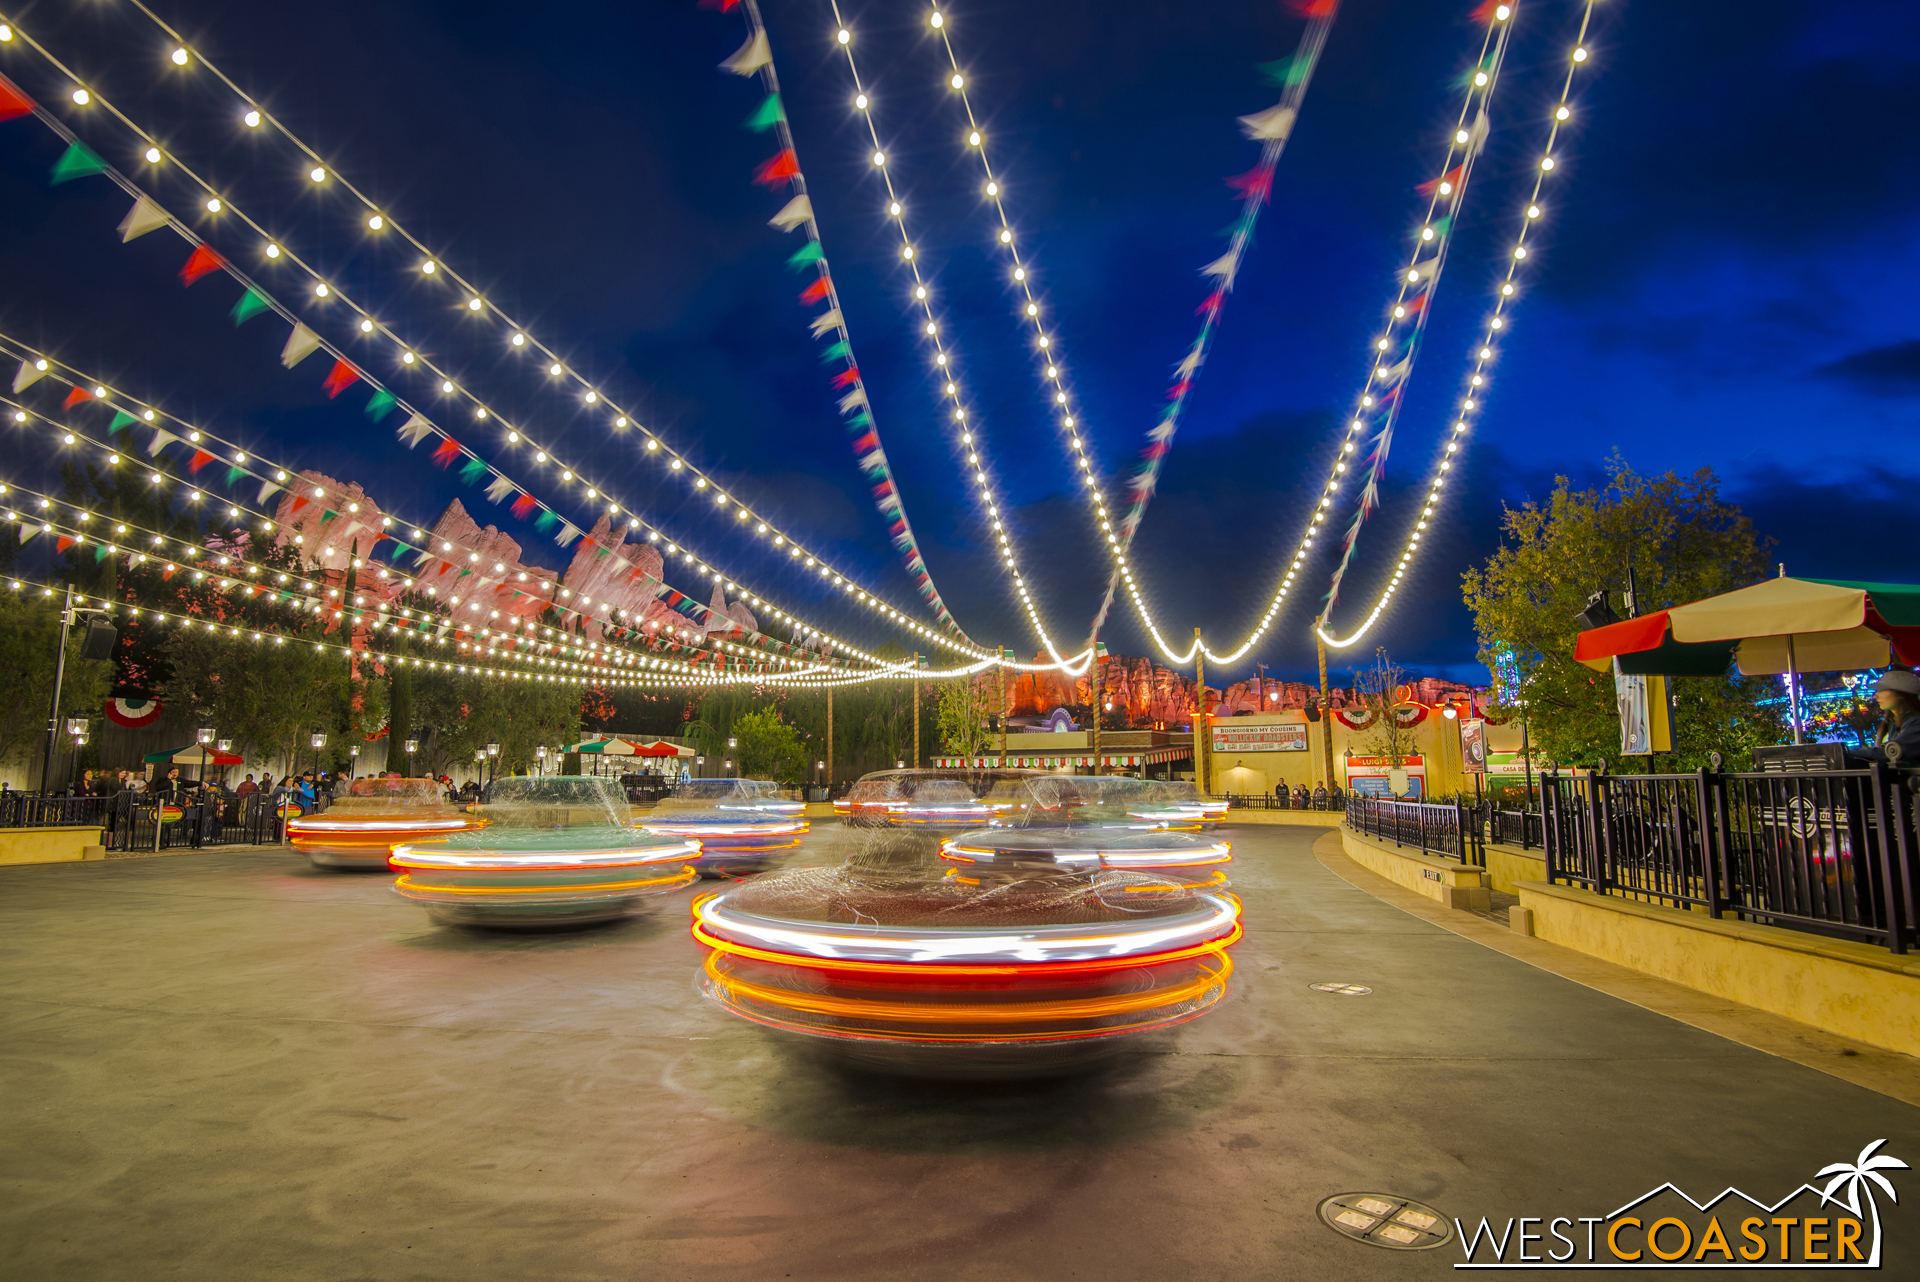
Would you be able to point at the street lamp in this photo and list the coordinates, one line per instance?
(412, 746)
(205, 736)
(77, 727)
(319, 741)
(354, 752)
(540, 755)
(493, 753)
(700, 765)
(730, 746)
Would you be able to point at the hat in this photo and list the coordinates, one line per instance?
(1901, 681)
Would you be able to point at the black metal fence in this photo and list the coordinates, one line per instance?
(1269, 801)
(1832, 852)
(1522, 828)
(1447, 828)
(137, 821)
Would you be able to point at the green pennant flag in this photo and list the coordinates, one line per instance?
(545, 521)
(251, 304)
(767, 115)
(1467, 78)
(327, 515)
(473, 469)
(811, 252)
(234, 474)
(100, 552)
(1288, 72)
(381, 404)
(120, 419)
(840, 350)
(1441, 226)
(77, 161)
(862, 419)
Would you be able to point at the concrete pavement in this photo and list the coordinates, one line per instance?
(232, 1066)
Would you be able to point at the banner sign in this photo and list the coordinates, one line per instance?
(1373, 776)
(1282, 737)
(1473, 747)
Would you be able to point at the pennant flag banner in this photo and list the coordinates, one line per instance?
(145, 216)
(447, 451)
(12, 102)
(381, 404)
(78, 161)
(251, 304)
(78, 396)
(28, 376)
(161, 439)
(200, 262)
(121, 419)
(524, 504)
(340, 378)
(500, 489)
(301, 344)
(795, 212)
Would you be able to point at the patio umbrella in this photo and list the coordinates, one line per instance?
(193, 754)
(661, 748)
(1782, 625)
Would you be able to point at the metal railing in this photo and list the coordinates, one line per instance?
(128, 820)
(1268, 801)
(29, 810)
(1447, 828)
(1831, 852)
(1522, 828)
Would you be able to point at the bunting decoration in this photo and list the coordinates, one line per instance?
(301, 343)
(447, 451)
(30, 373)
(1272, 128)
(755, 58)
(13, 103)
(145, 216)
(77, 161)
(342, 376)
(498, 491)
(201, 262)
(251, 304)
(415, 430)
(78, 396)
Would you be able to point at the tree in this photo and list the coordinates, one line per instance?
(1684, 542)
(29, 647)
(965, 704)
(769, 748)
(1377, 690)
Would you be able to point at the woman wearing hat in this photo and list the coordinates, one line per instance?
(1898, 695)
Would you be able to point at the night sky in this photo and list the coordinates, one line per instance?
(1725, 276)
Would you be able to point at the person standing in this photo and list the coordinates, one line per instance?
(1898, 696)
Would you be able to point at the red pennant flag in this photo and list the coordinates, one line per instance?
(449, 451)
(64, 542)
(1432, 185)
(814, 292)
(869, 441)
(200, 262)
(340, 378)
(1255, 182)
(78, 396)
(776, 171)
(847, 377)
(12, 101)
(199, 460)
(299, 501)
(1211, 303)
(1315, 8)
(1415, 305)
(724, 6)
(1179, 389)
(524, 505)
(1483, 12)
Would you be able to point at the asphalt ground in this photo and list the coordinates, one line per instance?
(229, 1065)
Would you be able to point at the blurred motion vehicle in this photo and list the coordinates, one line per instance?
(361, 829)
(739, 823)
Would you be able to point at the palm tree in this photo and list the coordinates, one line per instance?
(1855, 1176)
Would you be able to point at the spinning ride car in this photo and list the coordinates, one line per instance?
(559, 850)
(739, 823)
(1030, 968)
(925, 798)
(1086, 822)
(361, 829)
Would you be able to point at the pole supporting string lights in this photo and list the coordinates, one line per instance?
(1496, 326)
(1394, 351)
(969, 432)
(325, 293)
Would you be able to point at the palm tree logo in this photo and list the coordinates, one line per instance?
(1858, 1176)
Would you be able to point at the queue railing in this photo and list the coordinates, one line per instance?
(1447, 828)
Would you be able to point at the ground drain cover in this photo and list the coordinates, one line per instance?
(1381, 1219)
(1344, 990)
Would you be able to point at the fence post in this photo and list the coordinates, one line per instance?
(1890, 818)
(1711, 787)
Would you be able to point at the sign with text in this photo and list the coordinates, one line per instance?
(1283, 737)
(1473, 747)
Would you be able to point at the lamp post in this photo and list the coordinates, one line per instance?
(731, 744)
(479, 763)
(319, 741)
(77, 727)
(205, 737)
(412, 746)
(540, 756)
(493, 760)
(224, 747)
(700, 767)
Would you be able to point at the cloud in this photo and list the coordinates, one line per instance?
(1891, 370)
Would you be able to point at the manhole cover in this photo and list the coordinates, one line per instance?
(1344, 990)
(1381, 1219)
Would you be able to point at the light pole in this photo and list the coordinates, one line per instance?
(206, 737)
(700, 767)
(540, 756)
(319, 741)
(731, 744)
(412, 746)
(479, 763)
(493, 760)
(77, 727)
(354, 752)
(224, 747)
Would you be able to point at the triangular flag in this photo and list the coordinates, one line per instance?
(120, 419)
(807, 254)
(301, 344)
(840, 350)
(751, 56)
(145, 216)
(777, 170)
(415, 430)
(1271, 125)
(767, 115)
(381, 404)
(500, 489)
(1477, 132)
(828, 320)
(12, 101)
(1288, 72)
(342, 376)
(856, 398)
(161, 439)
(77, 161)
(1389, 375)
(28, 531)
(251, 304)
(792, 214)
(1224, 266)
(78, 396)
(266, 488)
(28, 375)
(568, 533)
(199, 263)
(816, 291)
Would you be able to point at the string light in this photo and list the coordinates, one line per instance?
(1474, 399)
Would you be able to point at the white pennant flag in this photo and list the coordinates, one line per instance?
(1223, 267)
(28, 531)
(1477, 132)
(795, 212)
(749, 57)
(415, 430)
(266, 488)
(500, 489)
(1271, 125)
(1390, 375)
(28, 375)
(301, 344)
(145, 216)
(568, 533)
(161, 439)
(1423, 272)
(1189, 363)
(853, 400)
(828, 320)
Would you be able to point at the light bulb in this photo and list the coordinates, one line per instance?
(1562, 114)
(273, 251)
(1546, 162)
(252, 119)
(474, 304)
(937, 20)
(958, 80)
(366, 327)
(894, 208)
(1579, 55)
(519, 340)
(153, 155)
(879, 157)
(428, 267)
(1460, 137)
(320, 290)
(318, 174)
(860, 102)
(973, 138)
(213, 205)
(993, 189)
(1480, 78)
(1006, 236)
(82, 97)
(1533, 211)
(844, 36)
(376, 222)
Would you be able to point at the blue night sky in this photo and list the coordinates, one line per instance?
(1724, 277)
